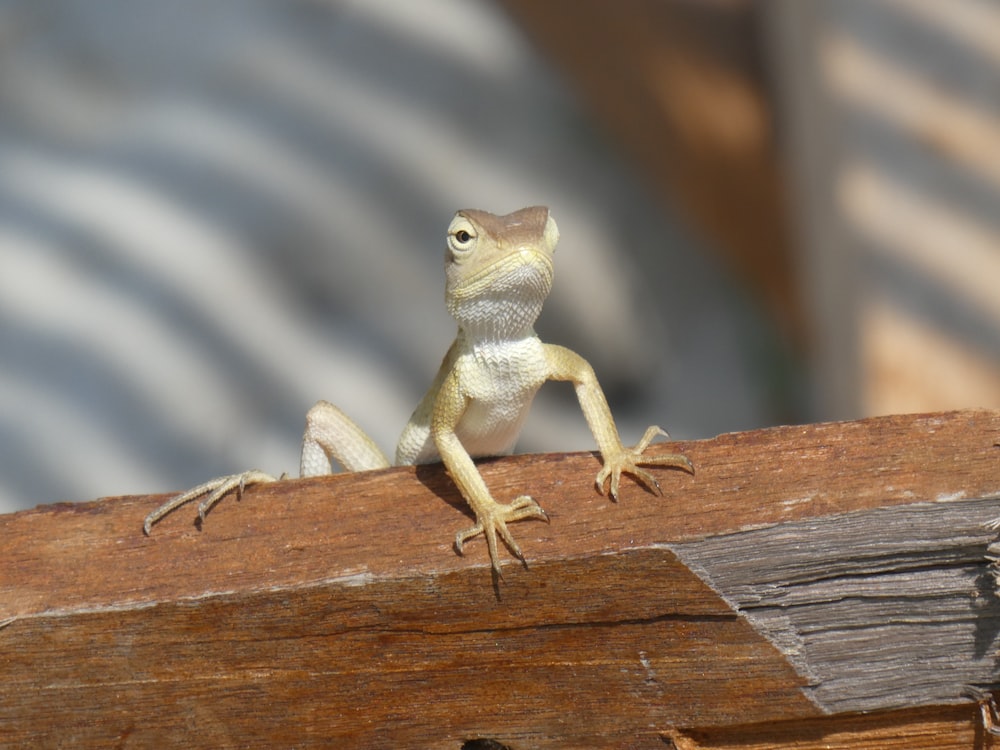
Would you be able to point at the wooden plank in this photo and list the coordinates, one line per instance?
(946, 728)
(375, 524)
(414, 659)
(333, 610)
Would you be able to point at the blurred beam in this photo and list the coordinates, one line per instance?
(681, 86)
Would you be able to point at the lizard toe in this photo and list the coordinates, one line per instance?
(492, 522)
(215, 490)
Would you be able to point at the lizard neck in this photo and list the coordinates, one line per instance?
(507, 307)
(490, 323)
(489, 344)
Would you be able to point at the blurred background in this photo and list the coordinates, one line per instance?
(212, 215)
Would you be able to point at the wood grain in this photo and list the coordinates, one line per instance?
(334, 611)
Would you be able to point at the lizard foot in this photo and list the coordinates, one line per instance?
(630, 459)
(215, 490)
(493, 521)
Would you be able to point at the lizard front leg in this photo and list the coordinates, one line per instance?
(565, 364)
(491, 517)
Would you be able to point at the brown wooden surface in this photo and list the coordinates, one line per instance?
(926, 729)
(334, 610)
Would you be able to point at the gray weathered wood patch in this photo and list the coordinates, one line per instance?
(877, 609)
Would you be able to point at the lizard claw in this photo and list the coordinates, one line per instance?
(493, 522)
(215, 490)
(629, 460)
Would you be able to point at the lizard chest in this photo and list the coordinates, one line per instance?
(500, 381)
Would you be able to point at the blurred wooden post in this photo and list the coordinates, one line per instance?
(684, 89)
(814, 586)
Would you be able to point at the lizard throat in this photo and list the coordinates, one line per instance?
(505, 308)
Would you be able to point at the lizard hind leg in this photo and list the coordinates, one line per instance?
(213, 490)
(331, 437)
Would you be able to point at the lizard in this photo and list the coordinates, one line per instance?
(499, 271)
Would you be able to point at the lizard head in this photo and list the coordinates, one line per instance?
(499, 269)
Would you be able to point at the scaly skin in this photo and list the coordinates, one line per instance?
(499, 272)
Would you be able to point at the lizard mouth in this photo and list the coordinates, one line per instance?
(527, 273)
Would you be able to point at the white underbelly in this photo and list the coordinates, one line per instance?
(499, 382)
(491, 429)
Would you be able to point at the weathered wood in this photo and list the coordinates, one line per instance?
(882, 608)
(802, 571)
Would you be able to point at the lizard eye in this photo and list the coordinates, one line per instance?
(461, 236)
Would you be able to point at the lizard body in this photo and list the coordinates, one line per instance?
(499, 271)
